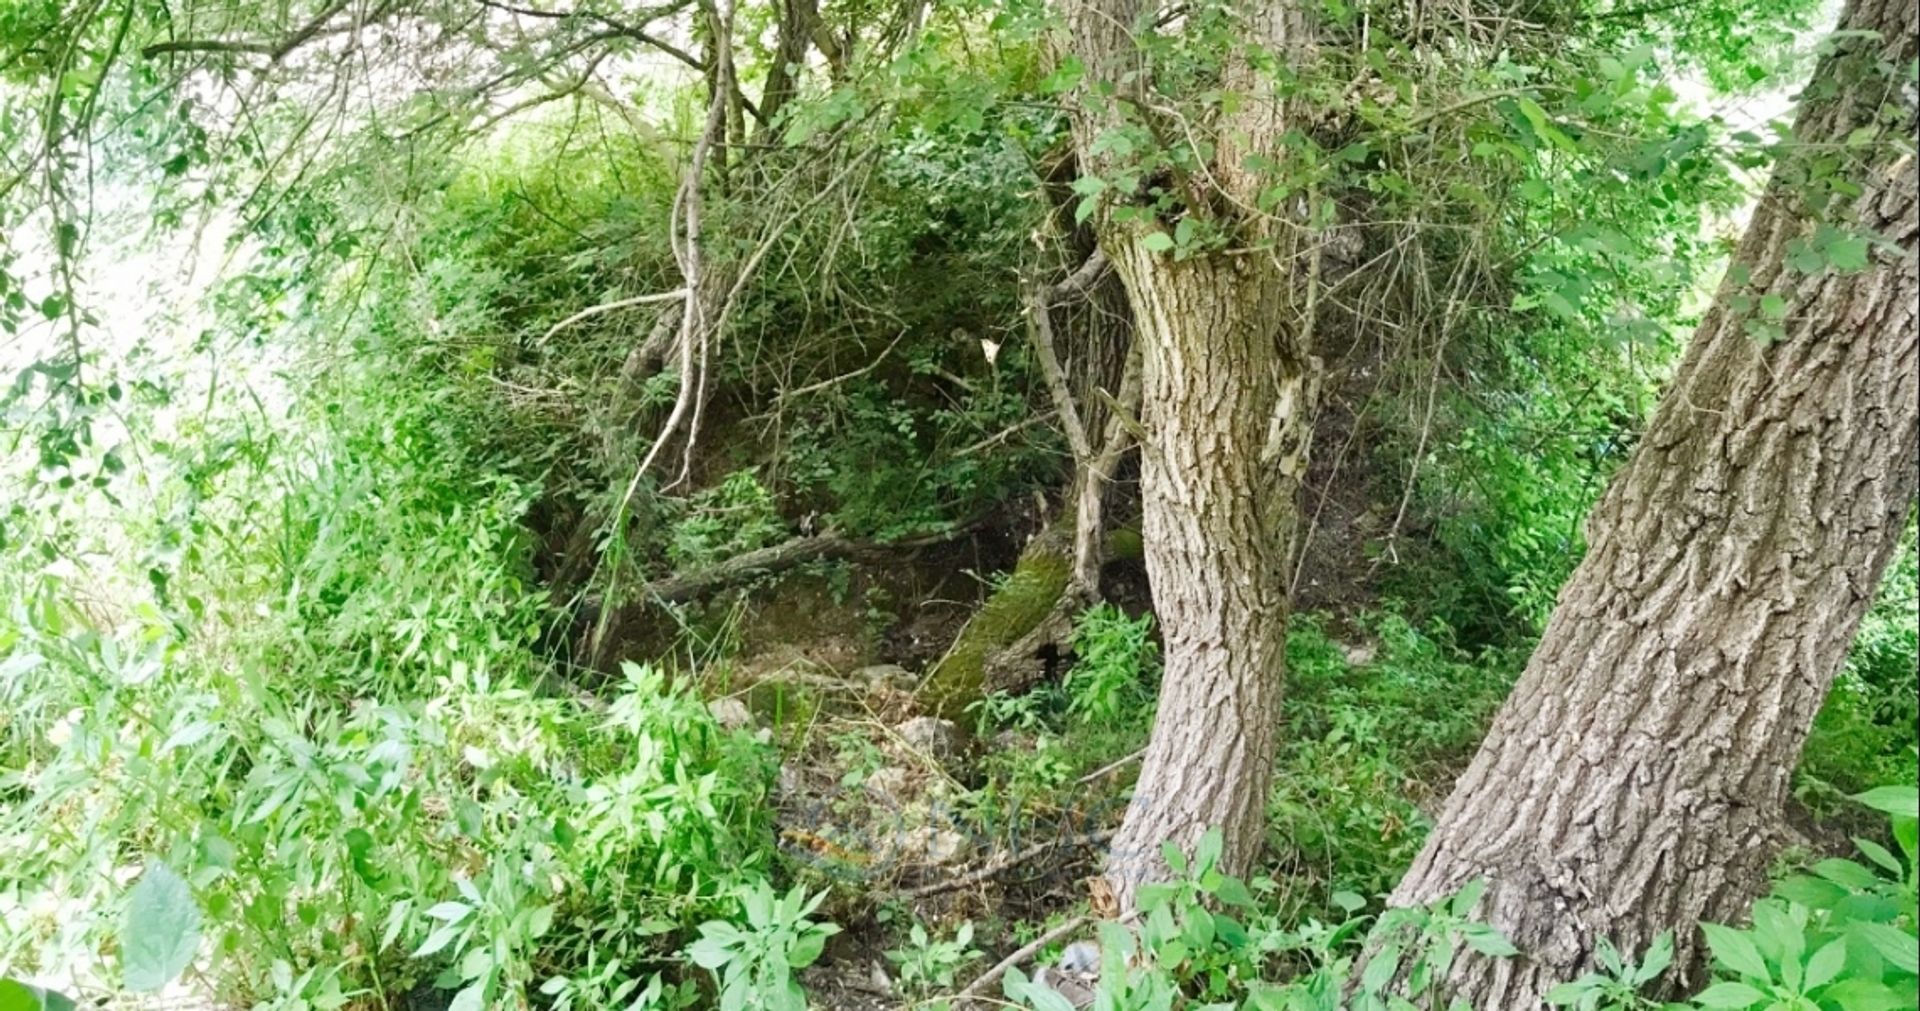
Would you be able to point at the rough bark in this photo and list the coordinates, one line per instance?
(1227, 384)
(1635, 780)
(1219, 513)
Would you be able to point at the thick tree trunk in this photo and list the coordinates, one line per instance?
(1635, 780)
(1219, 483)
(1228, 385)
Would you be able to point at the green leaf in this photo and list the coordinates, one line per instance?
(1826, 964)
(1042, 998)
(1810, 892)
(1848, 255)
(1895, 800)
(451, 912)
(1729, 995)
(18, 996)
(437, 940)
(1864, 995)
(1157, 242)
(396, 919)
(161, 931)
(1380, 969)
(709, 952)
(1898, 947)
(1736, 951)
(1463, 903)
(806, 948)
(1846, 873)
(1488, 941)
(1659, 956)
(470, 999)
(1568, 993)
(1879, 855)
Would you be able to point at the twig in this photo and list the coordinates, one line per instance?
(994, 868)
(1002, 435)
(273, 51)
(837, 380)
(1110, 766)
(605, 307)
(978, 988)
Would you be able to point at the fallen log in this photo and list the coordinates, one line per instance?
(744, 568)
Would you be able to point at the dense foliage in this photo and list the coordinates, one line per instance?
(321, 680)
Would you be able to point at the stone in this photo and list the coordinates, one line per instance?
(888, 785)
(936, 738)
(730, 713)
(886, 675)
(937, 846)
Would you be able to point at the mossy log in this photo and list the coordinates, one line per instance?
(1031, 596)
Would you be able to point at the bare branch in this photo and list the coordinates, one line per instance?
(606, 307)
(273, 51)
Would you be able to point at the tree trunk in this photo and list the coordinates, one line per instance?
(1219, 487)
(1635, 780)
(1228, 384)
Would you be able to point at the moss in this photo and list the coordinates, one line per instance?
(1126, 544)
(1016, 608)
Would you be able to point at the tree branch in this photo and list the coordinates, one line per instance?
(274, 52)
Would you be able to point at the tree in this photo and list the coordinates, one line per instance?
(1227, 390)
(1635, 780)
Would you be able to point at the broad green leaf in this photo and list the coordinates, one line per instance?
(1018, 987)
(18, 996)
(806, 948)
(1735, 950)
(1899, 948)
(1895, 800)
(1729, 995)
(1879, 855)
(396, 920)
(1846, 873)
(470, 999)
(1488, 941)
(1463, 903)
(1569, 993)
(1864, 995)
(1380, 969)
(1848, 255)
(437, 940)
(1659, 956)
(451, 912)
(1157, 242)
(161, 931)
(1826, 964)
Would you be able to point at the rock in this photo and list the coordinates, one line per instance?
(730, 713)
(888, 785)
(1361, 654)
(937, 846)
(789, 782)
(886, 675)
(919, 846)
(1076, 974)
(936, 738)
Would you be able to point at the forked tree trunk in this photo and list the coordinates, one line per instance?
(1635, 780)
